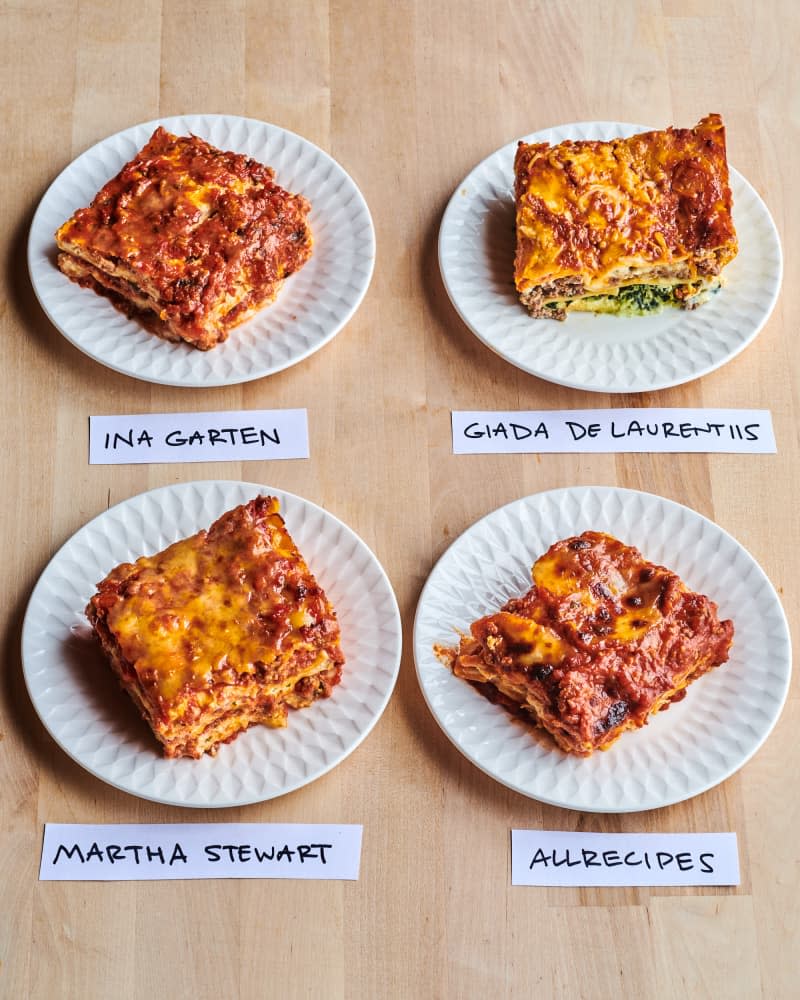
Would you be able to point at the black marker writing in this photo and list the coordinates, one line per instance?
(112, 853)
(129, 439)
(579, 431)
(222, 436)
(519, 432)
(242, 853)
(684, 860)
(684, 430)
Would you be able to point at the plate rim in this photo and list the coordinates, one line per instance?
(619, 491)
(629, 129)
(197, 382)
(393, 617)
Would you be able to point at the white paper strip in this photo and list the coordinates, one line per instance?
(132, 852)
(550, 857)
(479, 432)
(227, 436)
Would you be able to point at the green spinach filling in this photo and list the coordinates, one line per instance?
(635, 300)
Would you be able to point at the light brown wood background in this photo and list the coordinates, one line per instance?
(408, 97)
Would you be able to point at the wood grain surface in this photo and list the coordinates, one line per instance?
(408, 96)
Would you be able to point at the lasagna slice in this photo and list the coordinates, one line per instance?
(188, 238)
(219, 631)
(601, 641)
(626, 226)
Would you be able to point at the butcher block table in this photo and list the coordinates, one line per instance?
(408, 98)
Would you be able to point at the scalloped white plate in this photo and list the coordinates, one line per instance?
(726, 715)
(311, 308)
(82, 706)
(599, 353)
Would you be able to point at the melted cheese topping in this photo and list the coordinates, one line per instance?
(237, 601)
(657, 203)
(605, 598)
(528, 641)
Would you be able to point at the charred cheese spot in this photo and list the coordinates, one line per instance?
(632, 625)
(561, 573)
(528, 642)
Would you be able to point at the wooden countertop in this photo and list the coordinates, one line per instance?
(408, 97)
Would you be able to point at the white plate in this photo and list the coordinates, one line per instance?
(726, 715)
(599, 353)
(313, 305)
(83, 708)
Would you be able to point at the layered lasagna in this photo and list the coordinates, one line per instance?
(219, 632)
(601, 641)
(188, 238)
(625, 226)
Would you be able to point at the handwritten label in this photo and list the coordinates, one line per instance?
(616, 430)
(548, 857)
(229, 436)
(134, 852)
